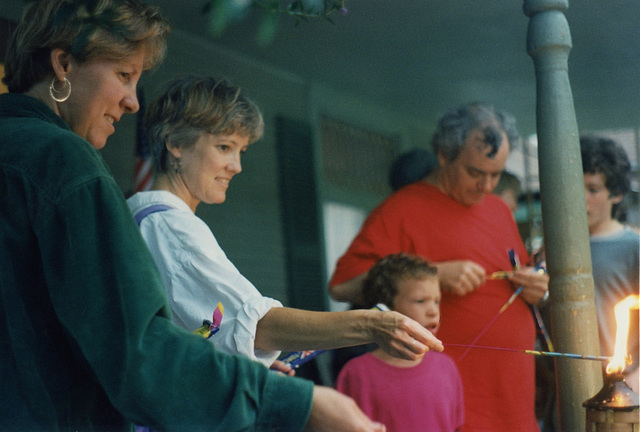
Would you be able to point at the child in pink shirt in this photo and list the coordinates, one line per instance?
(406, 395)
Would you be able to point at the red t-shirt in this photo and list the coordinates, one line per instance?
(499, 386)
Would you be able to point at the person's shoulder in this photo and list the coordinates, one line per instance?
(632, 238)
(55, 160)
(442, 359)
(625, 235)
(444, 364)
(32, 127)
(418, 193)
(162, 198)
(77, 160)
(419, 188)
(631, 232)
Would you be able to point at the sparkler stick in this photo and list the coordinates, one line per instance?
(537, 353)
(542, 327)
(490, 323)
(500, 275)
(513, 258)
(515, 264)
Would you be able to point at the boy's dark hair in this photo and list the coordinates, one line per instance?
(605, 156)
(381, 283)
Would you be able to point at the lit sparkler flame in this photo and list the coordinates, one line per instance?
(622, 312)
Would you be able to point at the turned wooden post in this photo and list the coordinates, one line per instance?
(574, 324)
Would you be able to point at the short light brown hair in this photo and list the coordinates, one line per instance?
(193, 105)
(109, 30)
(381, 283)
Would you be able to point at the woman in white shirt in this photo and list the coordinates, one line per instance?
(198, 130)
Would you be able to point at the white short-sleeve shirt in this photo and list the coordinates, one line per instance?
(197, 275)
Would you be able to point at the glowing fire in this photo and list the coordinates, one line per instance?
(622, 310)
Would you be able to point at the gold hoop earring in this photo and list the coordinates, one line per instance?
(53, 90)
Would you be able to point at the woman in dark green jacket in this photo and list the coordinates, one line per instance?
(86, 342)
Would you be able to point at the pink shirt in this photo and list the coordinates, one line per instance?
(425, 397)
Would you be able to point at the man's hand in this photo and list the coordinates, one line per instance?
(534, 281)
(460, 277)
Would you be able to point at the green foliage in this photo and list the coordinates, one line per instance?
(222, 13)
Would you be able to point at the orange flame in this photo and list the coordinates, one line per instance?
(622, 310)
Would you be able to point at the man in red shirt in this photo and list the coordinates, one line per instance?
(451, 219)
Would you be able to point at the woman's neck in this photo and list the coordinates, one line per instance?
(40, 92)
(175, 185)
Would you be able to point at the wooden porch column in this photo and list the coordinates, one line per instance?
(573, 314)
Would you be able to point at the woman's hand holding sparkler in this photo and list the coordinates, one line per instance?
(403, 337)
(460, 277)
